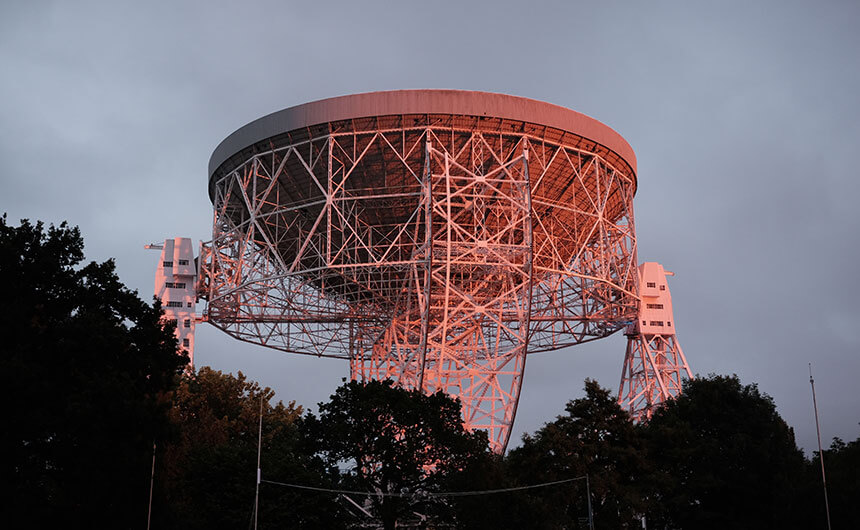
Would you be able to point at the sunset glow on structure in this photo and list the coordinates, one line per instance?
(175, 286)
(436, 237)
(654, 365)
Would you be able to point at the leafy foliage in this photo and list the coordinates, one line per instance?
(87, 368)
(842, 463)
(595, 438)
(725, 458)
(207, 476)
(387, 439)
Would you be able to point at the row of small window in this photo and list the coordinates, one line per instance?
(185, 323)
(653, 284)
(658, 323)
(175, 285)
(177, 304)
(655, 306)
(170, 263)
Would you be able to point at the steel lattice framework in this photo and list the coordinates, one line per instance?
(654, 364)
(434, 248)
(654, 370)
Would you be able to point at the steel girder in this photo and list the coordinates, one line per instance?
(653, 372)
(438, 257)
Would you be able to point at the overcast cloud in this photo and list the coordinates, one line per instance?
(744, 118)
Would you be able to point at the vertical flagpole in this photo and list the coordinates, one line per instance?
(259, 450)
(151, 484)
(820, 452)
(588, 494)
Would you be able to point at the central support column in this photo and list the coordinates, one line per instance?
(463, 327)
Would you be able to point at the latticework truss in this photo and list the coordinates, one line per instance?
(653, 372)
(654, 365)
(435, 250)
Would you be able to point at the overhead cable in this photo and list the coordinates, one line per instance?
(429, 494)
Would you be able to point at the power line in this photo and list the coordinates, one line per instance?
(429, 494)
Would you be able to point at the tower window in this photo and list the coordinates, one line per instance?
(189, 304)
(651, 284)
(186, 342)
(655, 306)
(174, 304)
(187, 323)
(662, 287)
(183, 262)
(168, 264)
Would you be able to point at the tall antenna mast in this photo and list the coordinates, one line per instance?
(151, 487)
(259, 451)
(820, 452)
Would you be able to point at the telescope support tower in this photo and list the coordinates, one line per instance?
(654, 364)
(176, 287)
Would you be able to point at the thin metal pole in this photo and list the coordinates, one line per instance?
(820, 452)
(151, 484)
(259, 450)
(588, 493)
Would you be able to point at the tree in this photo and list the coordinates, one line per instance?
(486, 511)
(395, 441)
(207, 476)
(726, 459)
(595, 438)
(842, 462)
(87, 368)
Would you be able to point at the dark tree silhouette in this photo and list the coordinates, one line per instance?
(596, 437)
(207, 476)
(842, 462)
(87, 368)
(396, 441)
(726, 459)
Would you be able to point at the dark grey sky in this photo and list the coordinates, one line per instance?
(744, 118)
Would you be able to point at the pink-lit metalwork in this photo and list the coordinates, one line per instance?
(175, 286)
(654, 364)
(430, 237)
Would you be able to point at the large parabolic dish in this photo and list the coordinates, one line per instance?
(434, 237)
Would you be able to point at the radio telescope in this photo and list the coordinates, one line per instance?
(434, 237)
